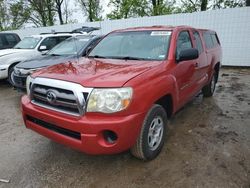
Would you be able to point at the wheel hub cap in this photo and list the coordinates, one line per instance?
(155, 133)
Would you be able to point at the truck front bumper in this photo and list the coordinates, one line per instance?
(86, 133)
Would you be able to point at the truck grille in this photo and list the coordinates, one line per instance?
(70, 100)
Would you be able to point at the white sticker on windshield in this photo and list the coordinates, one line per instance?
(160, 33)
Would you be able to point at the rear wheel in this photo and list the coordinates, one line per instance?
(209, 89)
(152, 136)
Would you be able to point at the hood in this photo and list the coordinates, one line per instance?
(44, 61)
(13, 51)
(97, 72)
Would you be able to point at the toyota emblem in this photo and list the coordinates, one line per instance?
(51, 97)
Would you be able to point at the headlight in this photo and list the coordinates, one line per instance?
(24, 71)
(29, 81)
(109, 100)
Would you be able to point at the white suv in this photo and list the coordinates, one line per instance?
(29, 47)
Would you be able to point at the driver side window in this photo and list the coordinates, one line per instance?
(183, 42)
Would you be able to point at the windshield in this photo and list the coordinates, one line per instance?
(71, 46)
(138, 45)
(28, 43)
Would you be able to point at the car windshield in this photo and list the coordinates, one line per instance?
(71, 46)
(28, 43)
(134, 45)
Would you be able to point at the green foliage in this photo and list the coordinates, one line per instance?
(92, 9)
(19, 14)
(219, 4)
(162, 7)
(128, 8)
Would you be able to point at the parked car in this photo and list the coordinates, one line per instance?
(121, 96)
(69, 50)
(8, 40)
(28, 48)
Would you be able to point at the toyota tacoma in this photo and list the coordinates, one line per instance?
(121, 95)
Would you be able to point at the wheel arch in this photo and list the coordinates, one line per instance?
(166, 102)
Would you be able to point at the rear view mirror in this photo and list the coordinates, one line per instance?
(188, 54)
(43, 48)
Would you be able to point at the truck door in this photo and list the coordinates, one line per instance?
(185, 71)
(202, 66)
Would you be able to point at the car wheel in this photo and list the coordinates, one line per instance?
(10, 72)
(209, 89)
(152, 136)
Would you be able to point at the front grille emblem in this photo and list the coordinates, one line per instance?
(51, 97)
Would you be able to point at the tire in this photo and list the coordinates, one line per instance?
(11, 69)
(209, 89)
(152, 136)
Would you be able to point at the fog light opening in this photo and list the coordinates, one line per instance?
(110, 136)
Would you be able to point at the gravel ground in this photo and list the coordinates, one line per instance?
(208, 146)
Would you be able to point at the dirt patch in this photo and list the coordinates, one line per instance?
(208, 146)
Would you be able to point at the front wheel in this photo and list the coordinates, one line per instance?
(208, 90)
(152, 136)
(10, 72)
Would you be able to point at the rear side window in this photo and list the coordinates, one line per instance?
(215, 39)
(208, 40)
(49, 42)
(198, 42)
(183, 42)
(11, 39)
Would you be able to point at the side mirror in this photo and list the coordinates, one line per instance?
(43, 48)
(188, 54)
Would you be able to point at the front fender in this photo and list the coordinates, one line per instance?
(149, 89)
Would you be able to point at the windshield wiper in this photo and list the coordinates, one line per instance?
(98, 56)
(129, 58)
(55, 54)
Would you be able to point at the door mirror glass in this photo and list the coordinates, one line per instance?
(43, 48)
(188, 54)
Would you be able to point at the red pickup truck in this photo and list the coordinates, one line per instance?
(121, 95)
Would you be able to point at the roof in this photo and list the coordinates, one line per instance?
(159, 27)
(59, 34)
(156, 27)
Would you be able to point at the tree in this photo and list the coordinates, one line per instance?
(162, 7)
(219, 4)
(194, 5)
(58, 5)
(128, 8)
(92, 9)
(42, 13)
(19, 14)
(3, 15)
(13, 14)
(203, 5)
(247, 2)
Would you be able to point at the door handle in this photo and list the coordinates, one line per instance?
(196, 64)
